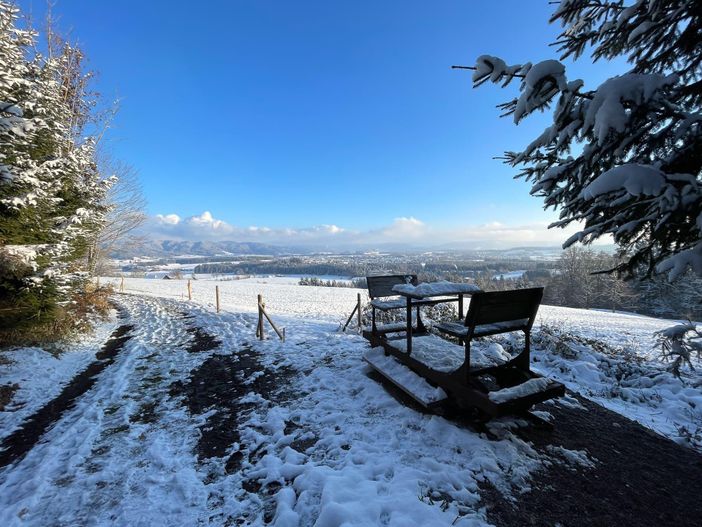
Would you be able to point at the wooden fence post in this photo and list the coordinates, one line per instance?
(217, 296)
(261, 314)
(260, 317)
(190, 290)
(356, 311)
(360, 327)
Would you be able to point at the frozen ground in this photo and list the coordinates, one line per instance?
(616, 364)
(40, 375)
(329, 446)
(302, 435)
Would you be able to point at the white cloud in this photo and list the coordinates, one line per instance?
(204, 226)
(205, 220)
(404, 230)
(168, 219)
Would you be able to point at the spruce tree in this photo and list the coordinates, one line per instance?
(52, 196)
(623, 158)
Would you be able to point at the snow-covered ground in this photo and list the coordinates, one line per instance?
(331, 447)
(41, 375)
(628, 378)
(282, 295)
(510, 275)
(336, 450)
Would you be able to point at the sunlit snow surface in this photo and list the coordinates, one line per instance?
(646, 393)
(41, 375)
(353, 455)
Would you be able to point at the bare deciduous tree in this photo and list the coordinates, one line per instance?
(126, 214)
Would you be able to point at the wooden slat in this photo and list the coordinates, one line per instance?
(503, 306)
(401, 376)
(380, 286)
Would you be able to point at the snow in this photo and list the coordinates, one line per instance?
(442, 355)
(405, 378)
(389, 303)
(281, 295)
(428, 289)
(482, 329)
(510, 275)
(626, 375)
(677, 264)
(27, 254)
(368, 461)
(41, 375)
(636, 179)
(530, 387)
(537, 91)
(337, 448)
(607, 113)
(489, 66)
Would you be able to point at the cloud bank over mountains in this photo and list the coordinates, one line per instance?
(407, 231)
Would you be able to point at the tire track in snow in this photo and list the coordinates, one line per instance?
(123, 451)
(16, 445)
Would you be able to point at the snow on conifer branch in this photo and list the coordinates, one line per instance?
(638, 136)
(53, 195)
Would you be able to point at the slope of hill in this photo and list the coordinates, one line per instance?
(197, 421)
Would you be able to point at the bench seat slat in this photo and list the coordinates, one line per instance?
(389, 328)
(459, 330)
(441, 355)
(387, 304)
(404, 378)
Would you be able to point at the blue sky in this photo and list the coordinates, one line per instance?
(320, 119)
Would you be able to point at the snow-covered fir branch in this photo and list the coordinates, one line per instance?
(622, 158)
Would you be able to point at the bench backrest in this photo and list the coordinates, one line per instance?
(380, 286)
(504, 306)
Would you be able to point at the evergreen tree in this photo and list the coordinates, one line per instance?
(52, 197)
(623, 158)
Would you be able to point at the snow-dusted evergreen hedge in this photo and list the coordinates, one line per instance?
(625, 157)
(52, 197)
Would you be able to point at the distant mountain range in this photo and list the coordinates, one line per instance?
(172, 248)
(176, 248)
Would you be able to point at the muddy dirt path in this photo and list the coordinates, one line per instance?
(17, 444)
(638, 477)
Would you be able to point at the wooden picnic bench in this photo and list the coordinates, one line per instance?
(383, 298)
(402, 291)
(482, 377)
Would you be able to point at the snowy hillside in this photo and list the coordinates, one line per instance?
(196, 421)
(616, 363)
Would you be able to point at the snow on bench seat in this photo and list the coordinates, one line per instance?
(483, 329)
(389, 303)
(442, 355)
(388, 328)
(530, 387)
(404, 378)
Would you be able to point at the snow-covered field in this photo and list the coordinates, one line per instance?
(336, 453)
(630, 379)
(329, 447)
(282, 295)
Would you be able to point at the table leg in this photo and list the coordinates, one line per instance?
(420, 325)
(409, 325)
(460, 313)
